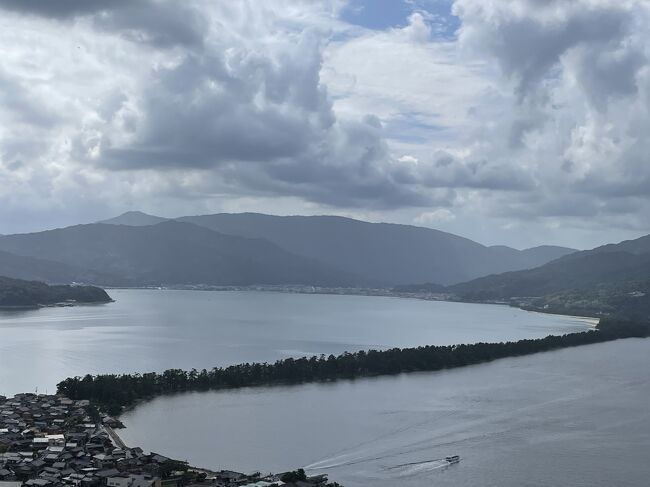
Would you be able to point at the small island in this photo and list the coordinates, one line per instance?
(17, 294)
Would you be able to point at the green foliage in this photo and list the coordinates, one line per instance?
(93, 412)
(167, 468)
(16, 292)
(113, 392)
(625, 300)
(579, 271)
(294, 476)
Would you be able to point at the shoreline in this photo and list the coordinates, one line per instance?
(368, 292)
(67, 442)
(64, 304)
(108, 390)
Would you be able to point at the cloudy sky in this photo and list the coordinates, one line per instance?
(507, 121)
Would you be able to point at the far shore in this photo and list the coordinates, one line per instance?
(592, 320)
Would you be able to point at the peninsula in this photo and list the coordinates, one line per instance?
(16, 293)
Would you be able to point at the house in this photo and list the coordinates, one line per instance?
(50, 441)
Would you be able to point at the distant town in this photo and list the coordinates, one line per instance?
(398, 292)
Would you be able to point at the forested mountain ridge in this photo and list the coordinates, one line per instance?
(606, 267)
(172, 253)
(137, 249)
(383, 253)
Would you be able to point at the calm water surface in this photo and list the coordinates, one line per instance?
(155, 330)
(574, 417)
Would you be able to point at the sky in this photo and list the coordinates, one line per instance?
(516, 122)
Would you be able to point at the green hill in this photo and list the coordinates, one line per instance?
(580, 271)
(16, 293)
(612, 279)
(629, 300)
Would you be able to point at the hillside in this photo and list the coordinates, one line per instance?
(607, 265)
(638, 246)
(629, 300)
(35, 269)
(136, 249)
(19, 293)
(387, 254)
(172, 253)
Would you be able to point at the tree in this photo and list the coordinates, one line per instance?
(294, 476)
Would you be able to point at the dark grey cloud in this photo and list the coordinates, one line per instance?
(333, 187)
(262, 121)
(528, 47)
(444, 170)
(579, 124)
(200, 114)
(62, 9)
(160, 23)
(607, 74)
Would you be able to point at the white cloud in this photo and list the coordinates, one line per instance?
(434, 217)
(538, 113)
(420, 90)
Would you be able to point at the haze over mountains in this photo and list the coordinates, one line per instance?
(137, 249)
(170, 253)
(385, 253)
(36, 269)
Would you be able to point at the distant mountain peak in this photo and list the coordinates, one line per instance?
(134, 219)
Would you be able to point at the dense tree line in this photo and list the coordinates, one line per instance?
(114, 392)
(19, 293)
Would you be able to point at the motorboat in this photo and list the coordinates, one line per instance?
(452, 459)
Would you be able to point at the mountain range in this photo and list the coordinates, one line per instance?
(136, 249)
(608, 265)
(376, 253)
(169, 253)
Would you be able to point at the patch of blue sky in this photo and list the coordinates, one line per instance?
(386, 14)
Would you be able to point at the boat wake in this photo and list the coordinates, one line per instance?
(400, 470)
(417, 468)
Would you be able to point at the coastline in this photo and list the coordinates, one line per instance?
(107, 391)
(53, 305)
(66, 442)
(369, 292)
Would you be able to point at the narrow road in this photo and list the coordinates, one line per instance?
(115, 437)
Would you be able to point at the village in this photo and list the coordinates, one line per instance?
(53, 441)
